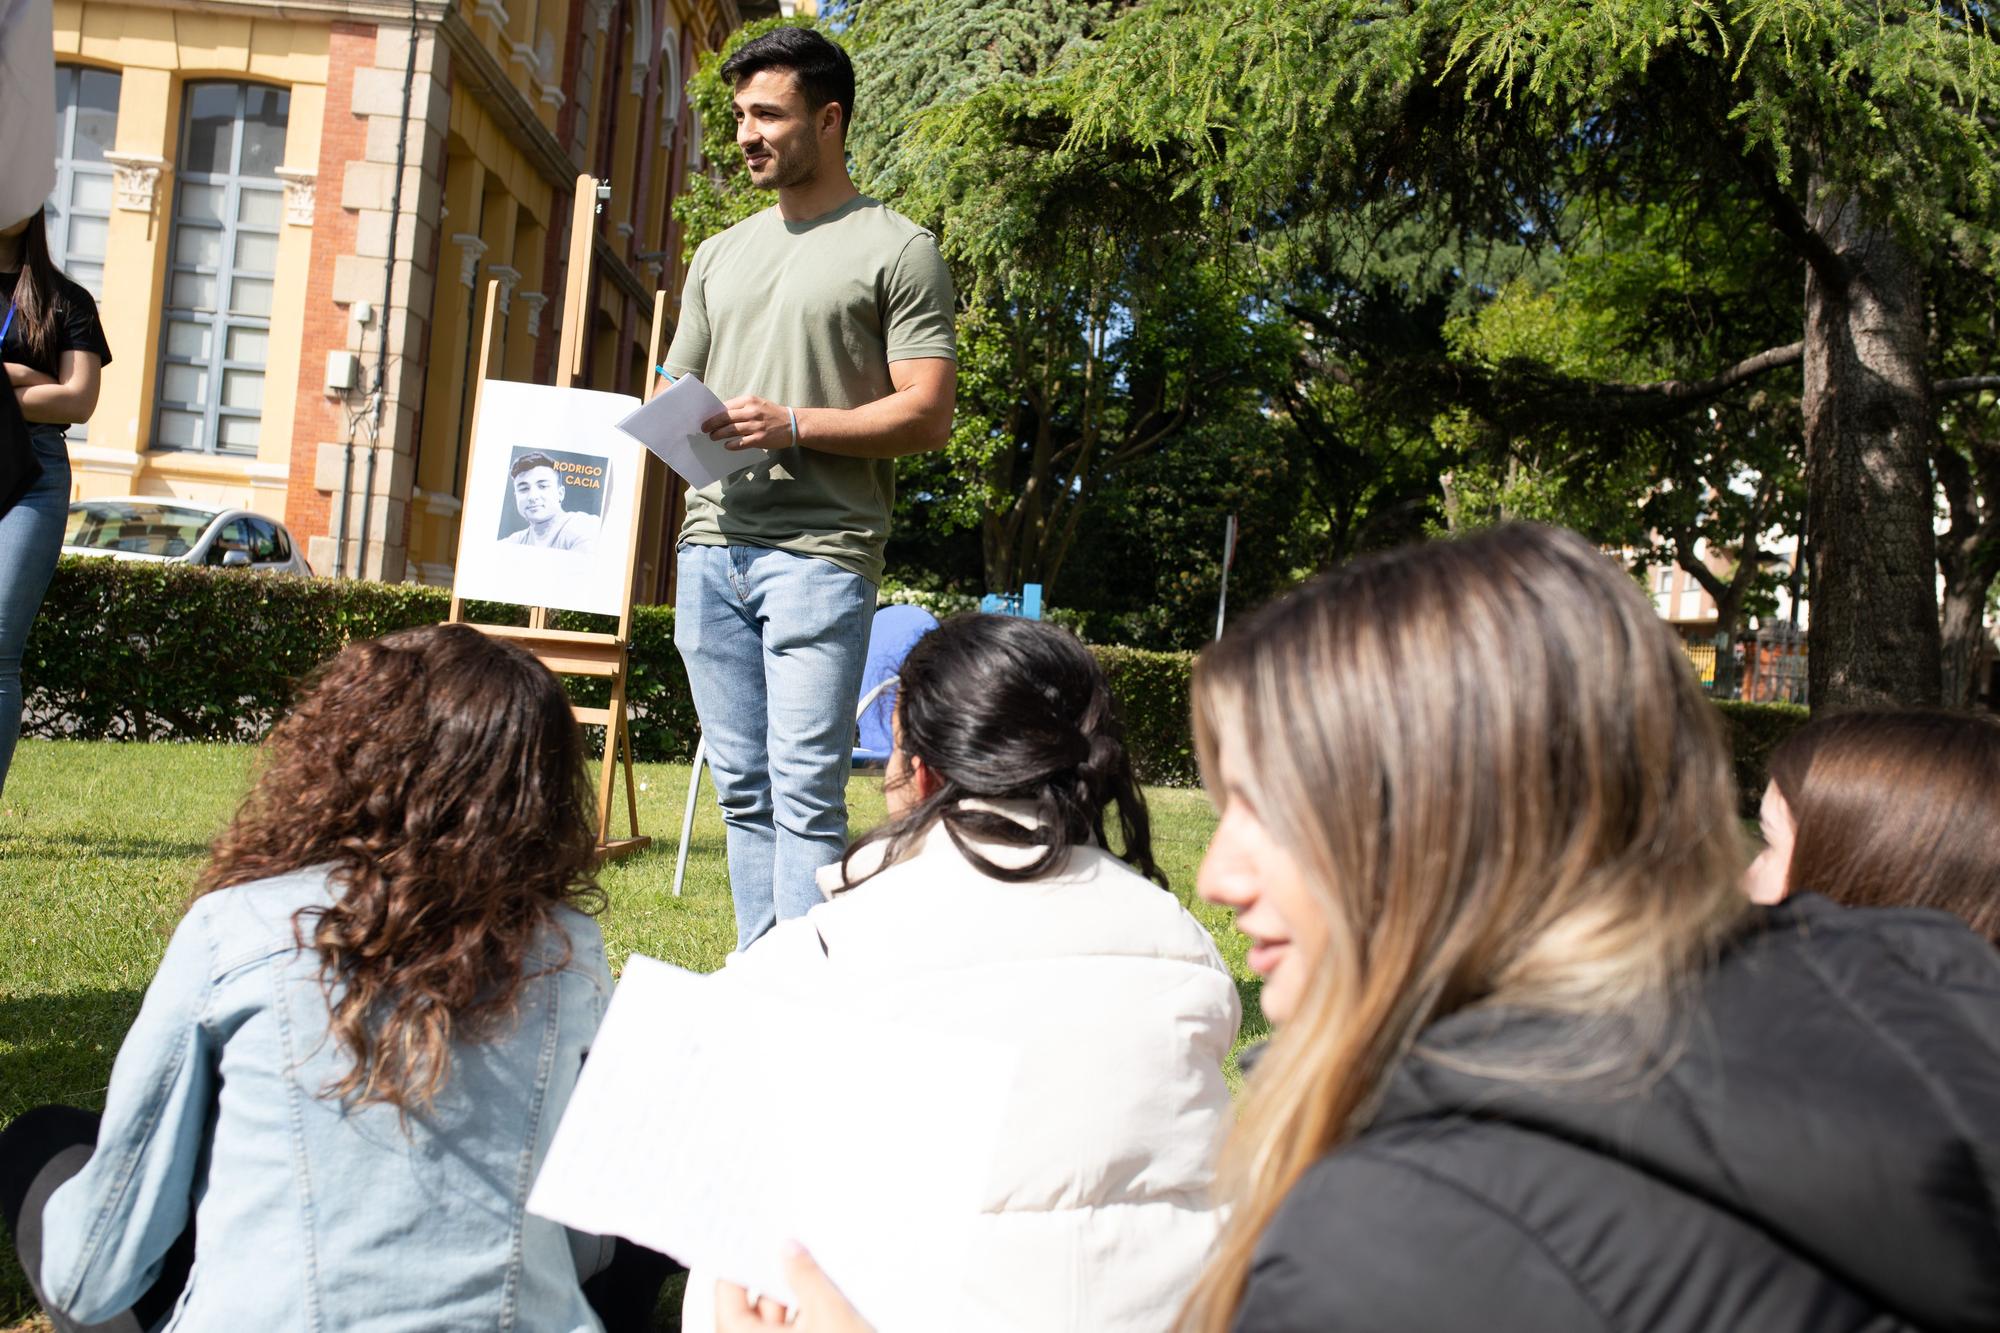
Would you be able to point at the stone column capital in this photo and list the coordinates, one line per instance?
(534, 301)
(468, 261)
(507, 276)
(136, 177)
(300, 187)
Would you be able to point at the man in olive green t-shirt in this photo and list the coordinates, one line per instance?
(825, 325)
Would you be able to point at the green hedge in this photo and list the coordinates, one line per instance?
(145, 651)
(1754, 730)
(142, 651)
(1152, 693)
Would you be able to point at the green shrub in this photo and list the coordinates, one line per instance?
(143, 651)
(1152, 693)
(146, 651)
(1753, 731)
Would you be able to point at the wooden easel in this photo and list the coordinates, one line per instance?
(572, 652)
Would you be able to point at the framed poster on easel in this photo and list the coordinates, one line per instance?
(553, 502)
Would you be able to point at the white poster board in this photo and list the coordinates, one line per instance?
(551, 499)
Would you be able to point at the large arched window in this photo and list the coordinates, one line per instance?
(642, 39)
(79, 208)
(79, 212)
(229, 206)
(671, 92)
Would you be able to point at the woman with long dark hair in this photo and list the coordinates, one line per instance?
(53, 349)
(1012, 896)
(1887, 809)
(354, 1055)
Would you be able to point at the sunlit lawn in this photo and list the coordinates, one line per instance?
(100, 843)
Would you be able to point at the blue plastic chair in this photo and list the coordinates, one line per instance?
(891, 635)
(895, 631)
(1027, 603)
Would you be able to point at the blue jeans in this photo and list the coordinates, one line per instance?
(31, 536)
(774, 645)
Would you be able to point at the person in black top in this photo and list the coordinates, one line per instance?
(54, 349)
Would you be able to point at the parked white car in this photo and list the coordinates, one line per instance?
(146, 527)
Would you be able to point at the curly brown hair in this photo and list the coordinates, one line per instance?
(439, 775)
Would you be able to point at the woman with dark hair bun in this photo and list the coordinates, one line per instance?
(993, 904)
(356, 1050)
(996, 708)
(1887, 809)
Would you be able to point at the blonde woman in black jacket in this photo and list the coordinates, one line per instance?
(1539, 1066)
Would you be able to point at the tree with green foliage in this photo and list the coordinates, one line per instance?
(1863, 139)
(1627, 299)
(1098, 327)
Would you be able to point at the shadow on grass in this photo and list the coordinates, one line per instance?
(106, 846)
(59, 1048)
(55, 1048)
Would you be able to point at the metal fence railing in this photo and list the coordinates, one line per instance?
(1768, 667)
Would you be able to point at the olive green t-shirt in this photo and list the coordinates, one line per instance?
(810, 314)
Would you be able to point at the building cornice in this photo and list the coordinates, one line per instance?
(494, 90)
(393, 12)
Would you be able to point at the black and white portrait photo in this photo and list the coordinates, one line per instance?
(555, 499)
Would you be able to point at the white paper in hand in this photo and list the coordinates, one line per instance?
(670, 426)
(715, 1120)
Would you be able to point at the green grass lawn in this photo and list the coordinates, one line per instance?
(100, 843)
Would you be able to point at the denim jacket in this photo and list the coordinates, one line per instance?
(308, 1215)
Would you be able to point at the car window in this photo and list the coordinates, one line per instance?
(264, 544)
(284, 541)
(140, 527)
(234, 536)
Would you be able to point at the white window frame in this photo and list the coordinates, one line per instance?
(61, 208)
(220, 321)
(61, 205)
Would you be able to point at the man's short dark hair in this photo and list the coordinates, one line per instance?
(824, 72)
(527, 461)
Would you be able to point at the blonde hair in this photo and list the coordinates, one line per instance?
(1493, 765)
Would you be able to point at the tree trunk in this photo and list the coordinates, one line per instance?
(1967, 558)
(1875, 637)
(1964, 638)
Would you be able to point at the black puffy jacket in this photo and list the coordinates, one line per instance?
(1823, 1153)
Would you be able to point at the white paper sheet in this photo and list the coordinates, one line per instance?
(715, 1120)
(670, 425)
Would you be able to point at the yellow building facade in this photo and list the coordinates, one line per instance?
(290, 214)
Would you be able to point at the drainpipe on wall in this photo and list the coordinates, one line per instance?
(388, 293)
(346, 496)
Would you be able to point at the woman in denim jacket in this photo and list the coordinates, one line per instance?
(363, 1033)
